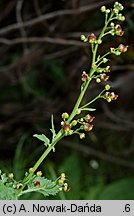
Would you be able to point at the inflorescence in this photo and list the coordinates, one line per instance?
(99, 72)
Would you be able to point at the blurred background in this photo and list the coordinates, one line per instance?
(41, 61)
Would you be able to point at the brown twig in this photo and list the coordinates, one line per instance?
(53, 15)
(59, 41)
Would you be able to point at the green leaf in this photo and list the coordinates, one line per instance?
(3, 178)
(45, 187)
(7, 193)
(119, 190)
(88, 109)
(43, 138)
(52, 129)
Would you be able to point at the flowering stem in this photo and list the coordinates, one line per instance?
(90, 76)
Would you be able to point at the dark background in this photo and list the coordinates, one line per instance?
(41, 61)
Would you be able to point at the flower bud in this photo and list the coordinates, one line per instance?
(112, 24)
(122, 18)
(84, 38)
(82, 135)
(116, 11)
(31, 170)
(105, 60)
(107, 87)
(98, 80)
(62, 179)
(118, 6)
(78, 111)
(108, 11)
(99, 41)
(10, 175)
(74, 123)
(63, 175)
(61, 182)
(39, 173)
(65, 115)
(103, 9)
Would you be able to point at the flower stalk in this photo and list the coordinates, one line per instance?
(74, 123)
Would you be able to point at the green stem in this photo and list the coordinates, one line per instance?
(108, 53)
(97, 97)
(43, 156)
(79, 101)
(99, 38)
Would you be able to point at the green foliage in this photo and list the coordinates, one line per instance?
(88, 109)
(53, 128)
(119, 190)
(42, 185)
(12, 190)
(43, 138)
(6, 192)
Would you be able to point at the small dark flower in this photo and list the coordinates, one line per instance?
(89, 118)
(19, 186)
(91, 38)
(66, 126)
(104, 77)
(88, 127)
(118, 30)
(37, 183)
(84, 76)
(123, 48)
(107, 69)
(66, 187)
(109, 96)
